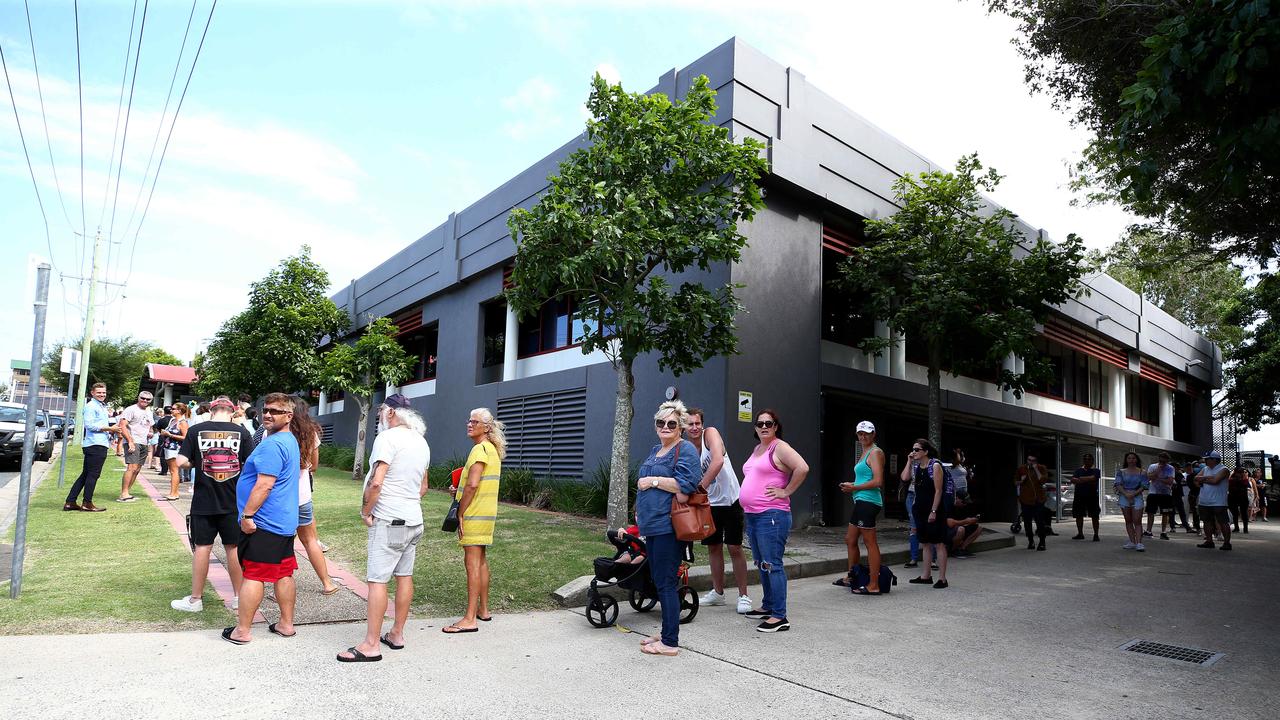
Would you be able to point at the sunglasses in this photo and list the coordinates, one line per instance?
(668, 424)
(917, 449)
(766, 424)
(475, 422)
(275, 411)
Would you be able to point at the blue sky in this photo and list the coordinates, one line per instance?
(357, 127)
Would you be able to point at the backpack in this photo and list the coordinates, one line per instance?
(861, 577)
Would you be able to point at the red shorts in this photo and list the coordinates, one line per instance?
(269, 572)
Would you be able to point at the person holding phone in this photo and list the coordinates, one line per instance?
(931, 509)
(1030, 480)
(868, 501)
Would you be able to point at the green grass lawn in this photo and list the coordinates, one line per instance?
(533, 553)
(101, 572)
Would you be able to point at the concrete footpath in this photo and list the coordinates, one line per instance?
(1018, 634)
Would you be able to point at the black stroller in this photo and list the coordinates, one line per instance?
(602, 609)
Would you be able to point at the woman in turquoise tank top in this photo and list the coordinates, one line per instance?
(868, 500)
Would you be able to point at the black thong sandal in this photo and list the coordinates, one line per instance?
(864, 591)
(484, 619)
(226, 635)
(842, 582)
(272, 628)
(357, 656)
(390, 644)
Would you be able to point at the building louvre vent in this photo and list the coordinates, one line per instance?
(546, 433)
(326, 434)
(1195, 656)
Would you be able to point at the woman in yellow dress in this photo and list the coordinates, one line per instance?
(477, 496)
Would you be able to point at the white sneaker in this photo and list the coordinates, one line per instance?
(187, 604)
(712, 598)
(1129, 546)
(744, 604)
(1140, 547)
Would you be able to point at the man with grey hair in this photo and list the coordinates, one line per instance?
(135, 429)
(392, 511)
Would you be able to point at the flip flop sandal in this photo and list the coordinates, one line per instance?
(864, 591)
(650, 640)
(172, 498)
(226, 635)
(455, 630)
(274, 631)
(126, 499)
(666, 652)
(357, 656)
(390, 644)
(842, 582)
(327, 593)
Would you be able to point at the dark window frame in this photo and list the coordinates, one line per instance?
(427, 357)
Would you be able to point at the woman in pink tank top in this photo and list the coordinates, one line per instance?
(769, 478)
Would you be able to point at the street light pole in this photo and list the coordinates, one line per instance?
(29, 439)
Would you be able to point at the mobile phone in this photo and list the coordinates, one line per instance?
(396, 523)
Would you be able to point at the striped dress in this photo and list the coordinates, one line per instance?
(477, 522)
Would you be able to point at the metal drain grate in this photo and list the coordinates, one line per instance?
(1195, 656)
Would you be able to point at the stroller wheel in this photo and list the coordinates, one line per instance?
(688, 605)
(641, 602)
(602, 611)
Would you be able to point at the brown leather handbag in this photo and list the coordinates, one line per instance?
(692, 520)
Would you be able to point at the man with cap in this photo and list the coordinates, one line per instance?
(135, 429)
(1212, 481)
(217, 451)
(392, 511)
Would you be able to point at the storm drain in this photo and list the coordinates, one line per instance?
(1195, 656)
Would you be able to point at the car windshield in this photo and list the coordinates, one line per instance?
(13, 415)
(56, 420)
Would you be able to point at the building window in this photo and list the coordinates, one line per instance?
(1142, 400)
(554, 327)
(493, 318)
(842, 320)
(1077, 377)
(422, 344)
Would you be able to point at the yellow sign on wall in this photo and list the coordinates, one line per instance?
(744, 406)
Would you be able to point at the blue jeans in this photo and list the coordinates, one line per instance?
(664, 560)
(767, 532)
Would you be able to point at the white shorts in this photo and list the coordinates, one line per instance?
(392, 550)
(171, 454)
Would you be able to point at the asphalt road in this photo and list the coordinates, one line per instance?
(1018, 634)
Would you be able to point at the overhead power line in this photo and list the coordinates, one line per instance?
(163, 151)
(21, 136)
(44, 118)
(115, 133)
(80, 96)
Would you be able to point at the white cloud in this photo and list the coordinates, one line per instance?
(534, 106)
(609, 72)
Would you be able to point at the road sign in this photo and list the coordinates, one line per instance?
(70, 361)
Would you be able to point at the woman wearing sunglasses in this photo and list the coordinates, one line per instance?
(931, 508)
(671, 470)
(769, 478)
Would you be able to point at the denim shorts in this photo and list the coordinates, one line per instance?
(306, 514)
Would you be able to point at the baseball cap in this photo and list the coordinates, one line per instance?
(222, 402)
(866, 426)
(396, 401)
(1214, 454)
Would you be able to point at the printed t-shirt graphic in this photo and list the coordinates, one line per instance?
(218, 451)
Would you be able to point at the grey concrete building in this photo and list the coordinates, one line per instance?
(1130, 376)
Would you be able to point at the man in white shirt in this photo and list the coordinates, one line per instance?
(135, 427)
(392, 510)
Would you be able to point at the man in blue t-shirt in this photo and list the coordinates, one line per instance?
(267, 501)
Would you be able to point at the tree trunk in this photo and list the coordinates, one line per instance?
(620, 461)
(357, 467)
(935, 395)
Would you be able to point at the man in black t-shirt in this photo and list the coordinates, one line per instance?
(216, 450)
(1085, 503)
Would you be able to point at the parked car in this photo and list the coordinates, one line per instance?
(58, 424)
(13, 425)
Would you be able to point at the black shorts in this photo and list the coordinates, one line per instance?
(864, 514)
(204, 528)
(262, 546)
(1085, 506)
(1159, 503)
(1215, 518)
(729, 523)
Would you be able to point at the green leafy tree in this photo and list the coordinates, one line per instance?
(953, 273)
(118, 362)
(1182, 100)
(658, 190)
(361, 369)
(1175, 274)
(272, 346)
(1252, 393)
